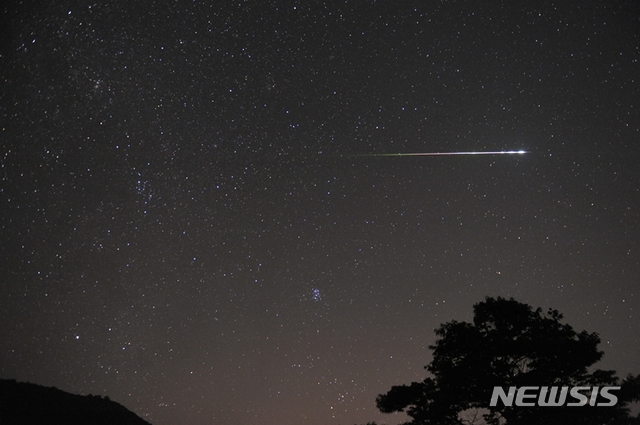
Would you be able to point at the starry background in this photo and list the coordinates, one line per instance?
(191, 223)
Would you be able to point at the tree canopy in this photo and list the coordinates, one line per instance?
(509, 344)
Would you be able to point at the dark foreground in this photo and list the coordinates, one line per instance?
(31, 404)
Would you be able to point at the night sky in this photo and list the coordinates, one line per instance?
(194, 221)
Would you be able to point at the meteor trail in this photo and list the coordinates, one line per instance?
(450, 153)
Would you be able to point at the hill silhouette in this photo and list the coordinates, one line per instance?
(30, 404)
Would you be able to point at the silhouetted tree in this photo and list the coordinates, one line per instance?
(508, 344)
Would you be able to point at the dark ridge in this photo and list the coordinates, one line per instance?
(30, 404)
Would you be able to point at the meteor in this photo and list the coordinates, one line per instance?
(450, 153)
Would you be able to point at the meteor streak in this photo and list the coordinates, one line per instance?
(450, 153)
